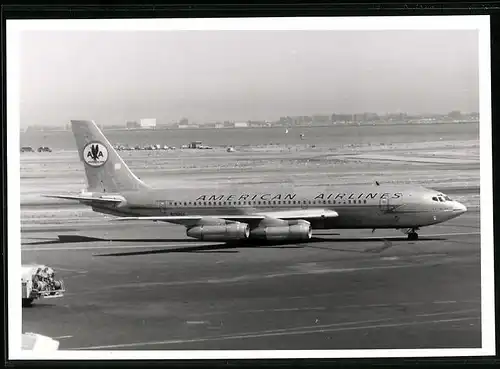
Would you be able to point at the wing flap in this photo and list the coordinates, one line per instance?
(306, 214)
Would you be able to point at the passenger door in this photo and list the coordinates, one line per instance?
(384, 204)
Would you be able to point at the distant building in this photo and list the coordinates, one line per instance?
(148, 123)
(240, 125)
(370, 117)
(256, 123)
(195, 145)
(321, 119)
(132, 124)
(455, 114)
(341, 118)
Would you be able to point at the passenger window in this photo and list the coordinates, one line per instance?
(204, 203)
(434, 199)
(189, 202)
(329, 201)
(324, 201)
(365, 201)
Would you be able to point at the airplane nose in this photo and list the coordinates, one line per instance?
(459, 208)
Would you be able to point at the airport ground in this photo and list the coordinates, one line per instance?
(147, 286)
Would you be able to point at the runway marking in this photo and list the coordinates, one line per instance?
(61, 337)
(197, 322)
(444, 302)
(448, 312)
(283, 309)
(247, 278)
(274, 330)
(270, 334)
(392, 304)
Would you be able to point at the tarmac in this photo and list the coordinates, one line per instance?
(146, 286)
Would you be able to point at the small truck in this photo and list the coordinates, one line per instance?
(39, 281)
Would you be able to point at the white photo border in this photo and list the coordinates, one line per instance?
(14, 29)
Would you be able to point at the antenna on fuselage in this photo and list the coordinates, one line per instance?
(376, 182)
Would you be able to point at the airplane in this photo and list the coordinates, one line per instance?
(260, 214)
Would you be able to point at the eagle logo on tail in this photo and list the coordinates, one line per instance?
(95, 154)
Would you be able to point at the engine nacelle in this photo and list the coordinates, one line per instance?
(223, 232)
(300, 231)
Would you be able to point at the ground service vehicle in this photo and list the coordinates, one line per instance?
(39, 281)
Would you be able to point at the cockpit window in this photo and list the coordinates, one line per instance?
(441, 198)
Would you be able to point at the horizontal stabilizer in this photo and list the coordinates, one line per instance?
(86, 198)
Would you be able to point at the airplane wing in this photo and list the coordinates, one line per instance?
(88, 199)
(305, 214)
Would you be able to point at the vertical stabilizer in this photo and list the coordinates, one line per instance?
(105, 169)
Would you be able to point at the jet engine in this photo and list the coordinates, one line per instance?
(300, 231)
(223, 232)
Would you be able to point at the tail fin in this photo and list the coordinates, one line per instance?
(104, 168)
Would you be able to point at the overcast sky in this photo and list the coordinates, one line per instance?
(116, 76)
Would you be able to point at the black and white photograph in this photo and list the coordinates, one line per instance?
(250, 188)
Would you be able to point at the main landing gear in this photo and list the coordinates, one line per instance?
(412, 235)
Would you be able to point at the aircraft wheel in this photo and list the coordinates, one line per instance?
(412, 236)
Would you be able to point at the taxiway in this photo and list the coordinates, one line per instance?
(146, 286)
